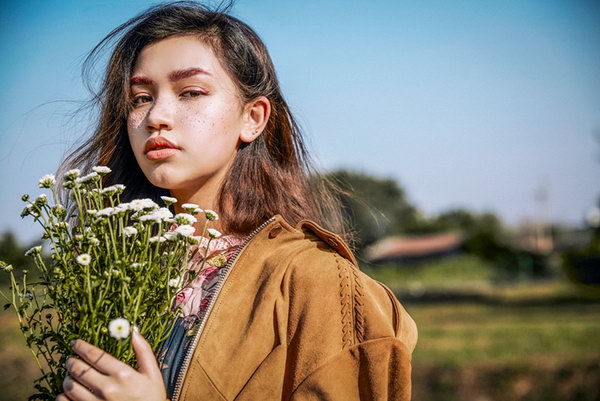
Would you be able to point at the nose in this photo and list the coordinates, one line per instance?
(160, 116)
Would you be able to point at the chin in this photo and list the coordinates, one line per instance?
(163, 177)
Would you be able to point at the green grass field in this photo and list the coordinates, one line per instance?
(467, 333)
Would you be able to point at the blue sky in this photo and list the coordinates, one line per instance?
(465, 103)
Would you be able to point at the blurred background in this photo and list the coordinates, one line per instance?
(467, 131)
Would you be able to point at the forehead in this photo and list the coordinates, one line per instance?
(176, 53)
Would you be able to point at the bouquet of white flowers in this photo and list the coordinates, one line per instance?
(115, 265)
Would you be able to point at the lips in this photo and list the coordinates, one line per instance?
(158, 143)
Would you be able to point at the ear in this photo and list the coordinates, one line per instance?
(256, 115)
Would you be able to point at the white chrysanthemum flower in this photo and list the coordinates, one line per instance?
(26, 211)
(72, 174)
(102, 170)
(197, 211)
(211, 214)
(169, 200)
(135, 265)
(170, 236)
(136, 205)
(150, 217)
(107, 211)
(185, 218)
(194, 239)
(119, 328)
(109, 190)
(121, 208)
(157, 238)
(41, 200)
(120, 188)
(149, 204)
(185, 230)
(189, 207)
(36, 250)
(84, 259)
(141, 204)
(213, 233)
(174, 282)
(29, 210)
(62, 225)
(125, 206)
(47, 181)
(163, 213)
(87, 178)
(94, 241)
(92, 212)
(59, 211)
(129, 231)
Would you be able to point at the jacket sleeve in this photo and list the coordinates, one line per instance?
(349, 336)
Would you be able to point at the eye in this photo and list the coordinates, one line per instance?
(141, 99)
(193, 93)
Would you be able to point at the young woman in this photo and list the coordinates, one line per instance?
(190, 107)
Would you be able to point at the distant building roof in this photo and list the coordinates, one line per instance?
(414, 247)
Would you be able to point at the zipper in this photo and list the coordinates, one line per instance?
(223, 276)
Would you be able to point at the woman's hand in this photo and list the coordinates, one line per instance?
(110, 379)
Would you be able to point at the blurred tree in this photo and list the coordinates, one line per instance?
(12, 252)
(482, 232)
(486, 237)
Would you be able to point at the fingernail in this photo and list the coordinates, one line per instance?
(72, 342)
(68, 383)
(135, 328)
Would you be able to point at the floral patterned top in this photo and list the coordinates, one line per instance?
(193, 300)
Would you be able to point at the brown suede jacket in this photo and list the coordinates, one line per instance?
(295, 319)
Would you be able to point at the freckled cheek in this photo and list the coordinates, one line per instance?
(135, 121)
(199, 124)
(136, 139)
(211, 120)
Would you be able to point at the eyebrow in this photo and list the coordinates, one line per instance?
(173, 76)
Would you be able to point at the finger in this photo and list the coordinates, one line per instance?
(77, 392)
(96, 357)
(62, 397)
(145, 355)
(86, 374)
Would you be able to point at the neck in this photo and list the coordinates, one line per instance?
(204, 196)
(203, 193)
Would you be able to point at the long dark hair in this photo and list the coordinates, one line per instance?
(271, 175)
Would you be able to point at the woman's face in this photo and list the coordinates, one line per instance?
(180, 92)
